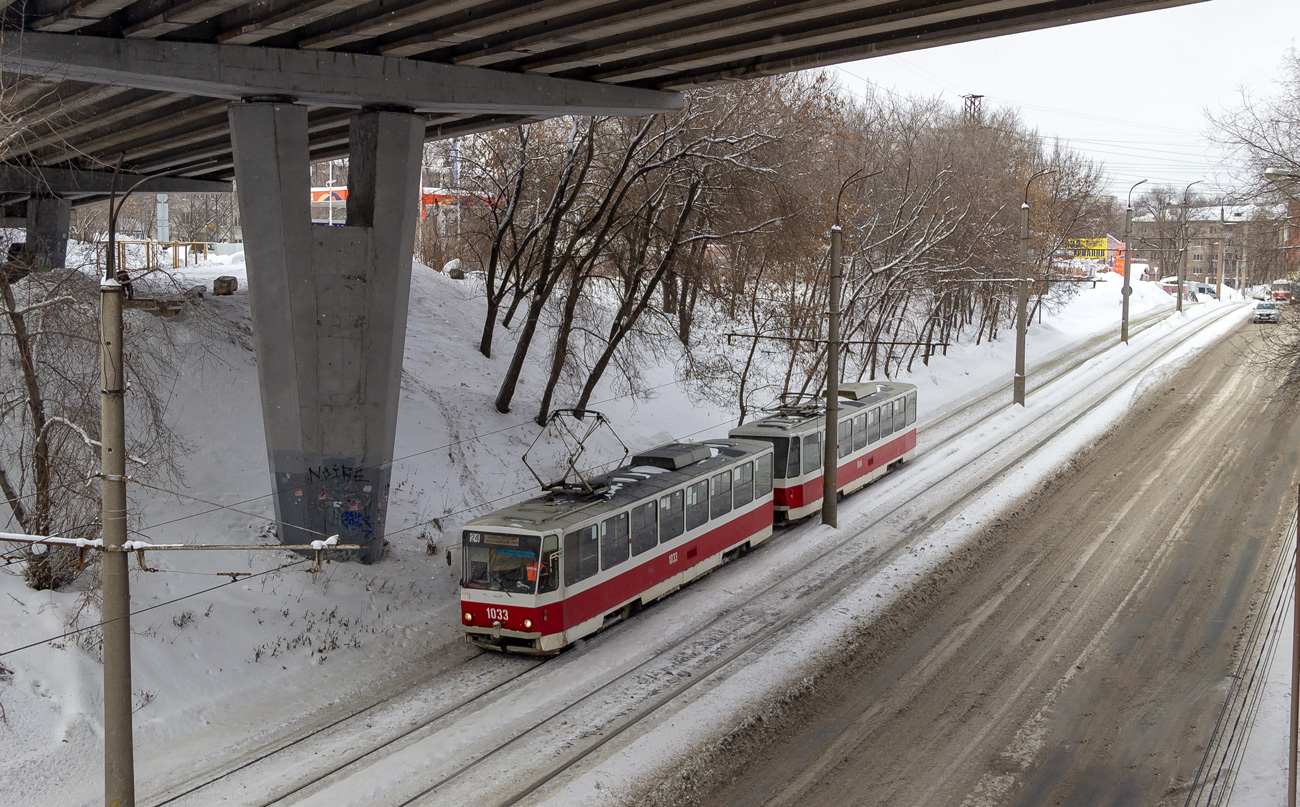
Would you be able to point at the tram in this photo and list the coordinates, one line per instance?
(876, 433)
(543, 573)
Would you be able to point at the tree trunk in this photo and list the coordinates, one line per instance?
(38, 518)
(511, 380)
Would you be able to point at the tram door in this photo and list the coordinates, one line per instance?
(548, 570)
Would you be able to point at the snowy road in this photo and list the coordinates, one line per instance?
(568, 725)
(1084, 660)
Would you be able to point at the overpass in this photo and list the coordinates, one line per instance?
(190, 94)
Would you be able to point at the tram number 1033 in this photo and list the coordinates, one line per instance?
(500, 614)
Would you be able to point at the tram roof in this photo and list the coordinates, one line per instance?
(624, 486)
(798, 418)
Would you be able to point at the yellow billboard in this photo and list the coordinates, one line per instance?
(1087, 247)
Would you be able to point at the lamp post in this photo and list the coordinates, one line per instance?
(830, 446)
(1128, 263)
(1182, 264)
(1022, 296)
(1281, 175)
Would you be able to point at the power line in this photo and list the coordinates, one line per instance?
(156, 606)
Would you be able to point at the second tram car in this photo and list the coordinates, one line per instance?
(877, 431)
(543, 573)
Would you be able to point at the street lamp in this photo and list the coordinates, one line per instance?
(830, 447)
(1182, 264)
(1022, 297)
(1128, 263)
(1281, 175)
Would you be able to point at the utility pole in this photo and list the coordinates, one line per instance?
(830, 453)
(1182, 264)
(1218, 290)
(119, 753)
(830, 450)
(1022, 295)
(1128, 264)
(1295, 673)
(1022, 304)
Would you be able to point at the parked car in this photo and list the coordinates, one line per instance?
(1265, 312)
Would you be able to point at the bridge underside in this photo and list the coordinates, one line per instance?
(205, 91)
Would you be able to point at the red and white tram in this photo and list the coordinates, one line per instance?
(543, 573)
(877, 431)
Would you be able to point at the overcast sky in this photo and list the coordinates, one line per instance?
(1130, 91)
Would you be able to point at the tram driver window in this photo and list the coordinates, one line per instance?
(743, 485)
(763, 475)
(792, 468)
(613, 541)
(911, 408)
(697, 504)
(670, 516)
(812, 452)
(720, 498)
(581, 555)
(645, 528)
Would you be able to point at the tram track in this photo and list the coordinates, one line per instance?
(849, 574)
(586, 725)
(701, 654)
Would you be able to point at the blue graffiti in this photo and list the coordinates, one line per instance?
(353, 520)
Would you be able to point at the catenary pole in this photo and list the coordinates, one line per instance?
(830, 454)
(1022, 294)
(119, 754)
(1182, 264)
(1022, 304)
(1128, 264)
(1295, 667)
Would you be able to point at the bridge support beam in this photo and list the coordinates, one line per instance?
(329, 314)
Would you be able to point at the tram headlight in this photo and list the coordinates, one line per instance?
(469, 617)
(528, 624)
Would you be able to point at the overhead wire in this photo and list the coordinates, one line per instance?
(155, 606)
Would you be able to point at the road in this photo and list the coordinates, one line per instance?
(1085, 659)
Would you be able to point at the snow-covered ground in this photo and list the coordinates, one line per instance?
(222, 662)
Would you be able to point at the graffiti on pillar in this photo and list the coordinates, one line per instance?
(323, 473)
(344, 499)
(357, 521)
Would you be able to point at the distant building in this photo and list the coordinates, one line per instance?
(1243, 241)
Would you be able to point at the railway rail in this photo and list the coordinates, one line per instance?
(582, 702)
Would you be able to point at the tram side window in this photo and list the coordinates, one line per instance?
(873, 425)
(743, 485)
(911, 408)
(697, 504)
(900, 414)
(613, 541)
(845, 444)
(792, 467)
(763, 475)
(887, 419)
(670, 516)
(859, 432)
(720, 495)
(645, 527)
(581, 555)
(812, 452)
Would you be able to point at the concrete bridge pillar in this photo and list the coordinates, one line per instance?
(329, 314)
(48, 218)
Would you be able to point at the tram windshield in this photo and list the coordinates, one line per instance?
(507, 563)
